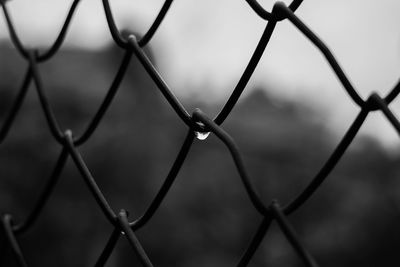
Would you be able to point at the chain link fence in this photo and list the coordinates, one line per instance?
(199, 124)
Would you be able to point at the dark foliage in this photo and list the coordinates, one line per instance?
(206, 219)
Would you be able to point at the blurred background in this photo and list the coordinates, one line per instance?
(288, 122)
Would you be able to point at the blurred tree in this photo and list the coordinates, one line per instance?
(207, 218)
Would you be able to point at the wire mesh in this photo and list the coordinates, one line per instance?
(198, 123)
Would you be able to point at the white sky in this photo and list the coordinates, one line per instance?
(203, 46)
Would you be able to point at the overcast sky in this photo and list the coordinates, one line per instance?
(203, 46)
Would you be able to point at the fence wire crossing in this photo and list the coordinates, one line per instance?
(199, 124)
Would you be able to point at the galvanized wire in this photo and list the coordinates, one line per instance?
(197, 122)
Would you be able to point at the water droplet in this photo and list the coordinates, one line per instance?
(202, 135)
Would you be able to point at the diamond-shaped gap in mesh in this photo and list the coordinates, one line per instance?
(213, 219)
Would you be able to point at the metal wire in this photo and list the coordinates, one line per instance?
(197, 122)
